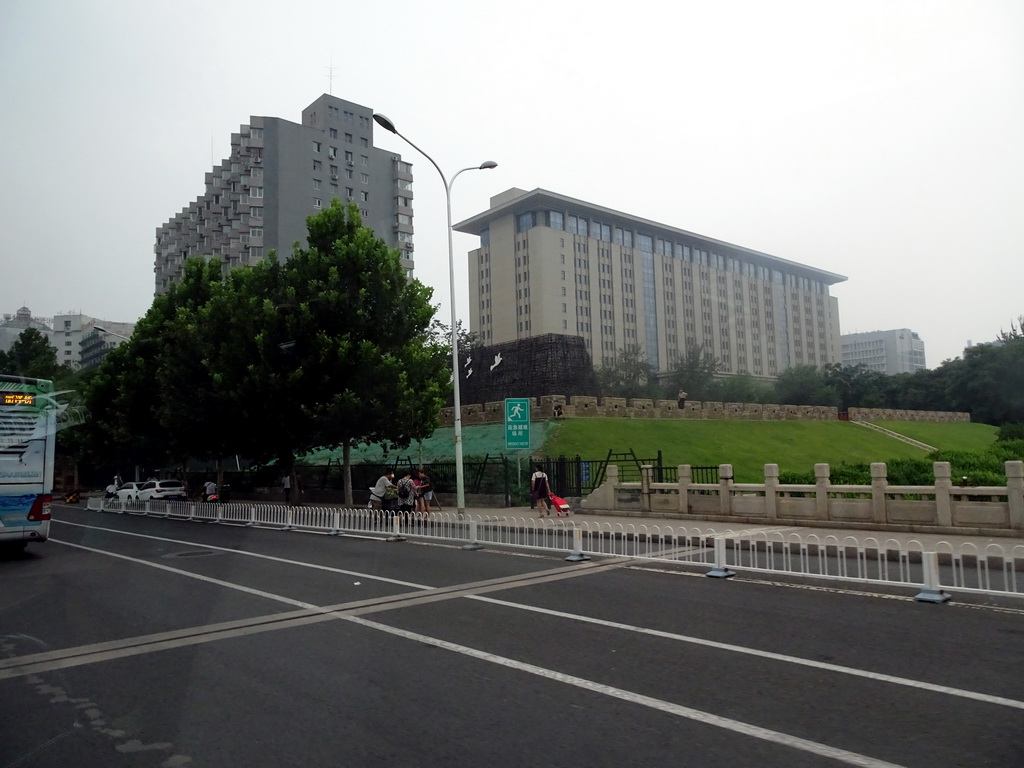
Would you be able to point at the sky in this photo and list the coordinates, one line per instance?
(882, 140)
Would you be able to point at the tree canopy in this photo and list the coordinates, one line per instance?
(331, 347)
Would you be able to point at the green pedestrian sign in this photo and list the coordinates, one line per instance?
(517, 423)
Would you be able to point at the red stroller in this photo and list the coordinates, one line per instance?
(561, 505)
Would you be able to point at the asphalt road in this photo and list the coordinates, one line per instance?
(131, 641)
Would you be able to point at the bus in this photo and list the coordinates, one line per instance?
(28, 431)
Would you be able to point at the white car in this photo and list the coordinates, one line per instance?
(162, 490)
(129, 492)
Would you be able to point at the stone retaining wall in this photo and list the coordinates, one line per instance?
(543, 408)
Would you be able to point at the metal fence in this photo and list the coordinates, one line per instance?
(992, 568)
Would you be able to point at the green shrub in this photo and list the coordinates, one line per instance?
(1010, 432)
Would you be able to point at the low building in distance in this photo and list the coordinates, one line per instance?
(897, 351)
(74, 336)
(278, 173)
(548, 263)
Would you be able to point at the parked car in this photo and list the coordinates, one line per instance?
(129, 492)
(162, 490)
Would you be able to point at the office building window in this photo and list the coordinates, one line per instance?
(316, 146)
(317, 203)
(364, 196)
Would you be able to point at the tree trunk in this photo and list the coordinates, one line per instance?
(346, 472)
(220, 477)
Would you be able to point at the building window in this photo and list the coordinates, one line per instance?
(364, 177)
(364, 196)
(348, 138)
(316, 146)
(316, 183)
(316, 202)
(332, 152)
(364, 142)
(364, 160)
(334, 133)
(256, 192)
(256, 133)
(317, 165)
(256, 232)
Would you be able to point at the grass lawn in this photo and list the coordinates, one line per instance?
(956, 436)
(747, 445)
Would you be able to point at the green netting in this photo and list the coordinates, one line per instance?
(477, 440)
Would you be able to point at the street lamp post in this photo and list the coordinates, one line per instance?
(460, 488)
(101, 329)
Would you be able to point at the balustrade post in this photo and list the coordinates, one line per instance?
(879, 482)
(943, 486)
(822, 481)
(1015, 493)
(646, 472)
(771, 491)
(725, 489)
(684, 475)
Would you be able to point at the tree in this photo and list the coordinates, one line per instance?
(330, 348)
(695, 373)
(32, 356)
(629, 376)
(805, 385)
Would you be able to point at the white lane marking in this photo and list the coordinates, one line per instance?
(249, 554)
(757, 732)
(880, 677)
(987, 698)
(209, 579)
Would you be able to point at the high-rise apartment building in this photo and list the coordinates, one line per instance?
(548, 263)
(280, 172)
(897, 351)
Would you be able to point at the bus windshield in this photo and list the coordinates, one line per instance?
(28, 414)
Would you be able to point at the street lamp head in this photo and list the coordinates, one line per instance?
(487, 165)
(384, 123)
(100, 328)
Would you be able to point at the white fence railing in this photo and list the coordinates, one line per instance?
(966, 567)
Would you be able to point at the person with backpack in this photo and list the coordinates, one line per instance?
(406, 494)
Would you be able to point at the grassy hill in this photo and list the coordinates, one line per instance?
(957, 436)
(747, 445)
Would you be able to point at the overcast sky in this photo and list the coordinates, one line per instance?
(879, 140)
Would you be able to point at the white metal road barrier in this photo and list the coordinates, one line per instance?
(866, 559)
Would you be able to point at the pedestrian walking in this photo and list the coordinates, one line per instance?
(540, 490)
(286, 483)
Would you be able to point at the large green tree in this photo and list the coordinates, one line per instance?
(34, 357)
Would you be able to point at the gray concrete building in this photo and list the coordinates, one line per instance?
(548, 263)
(896, 351)
(278, 173)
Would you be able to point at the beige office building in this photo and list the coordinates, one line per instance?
(548, 263)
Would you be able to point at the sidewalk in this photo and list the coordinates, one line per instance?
(928, 540)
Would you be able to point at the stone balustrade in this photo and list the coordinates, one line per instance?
(938, 508)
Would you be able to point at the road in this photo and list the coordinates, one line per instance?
(131, 641)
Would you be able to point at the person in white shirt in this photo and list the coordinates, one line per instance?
(540, 490)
